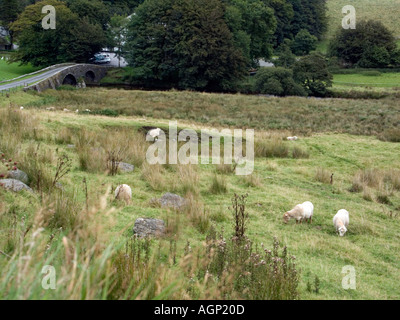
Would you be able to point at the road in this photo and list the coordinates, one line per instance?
(35, 78)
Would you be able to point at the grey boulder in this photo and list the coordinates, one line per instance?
(14, 185)
(125, 167)
(170, 200)
(18, 175)
(149, 227)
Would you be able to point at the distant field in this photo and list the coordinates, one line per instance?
(10, 71)
(240, 111)
(385, 80)
(387, 11)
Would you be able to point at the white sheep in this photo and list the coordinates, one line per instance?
(155, 133)
(123, 192)
(341, 221)
(292, 138)
(300, 212)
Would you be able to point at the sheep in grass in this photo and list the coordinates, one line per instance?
(123, 192)
(341, 222)
(300, 212)
(154, 133)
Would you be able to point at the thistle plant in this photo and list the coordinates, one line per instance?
(7, 165)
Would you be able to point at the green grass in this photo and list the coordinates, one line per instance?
(386, 11)
(13, 70)
(371, 244)
(239, 111)
(385, 80)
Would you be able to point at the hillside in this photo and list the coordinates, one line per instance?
(277, 184)
(386, 11)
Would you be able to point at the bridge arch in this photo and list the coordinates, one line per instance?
(69, 80)
(90, 76)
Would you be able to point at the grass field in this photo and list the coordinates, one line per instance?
(369, 81)
(386, 11)
(277, 184)
(13, 70)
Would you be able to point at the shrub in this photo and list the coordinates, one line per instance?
(273, 148)
(253, 181)
(391, 135)
(154, 176)
(188, 180)
(277, 81)
(299, 153)
(218, 185)
(312, 73)
(198, 215)
(243, 271)
(106, 112)
(323, 175)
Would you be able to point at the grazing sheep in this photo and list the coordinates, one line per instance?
(155, 133)
(300, 212)
(341, 221)
(292, 138)
(123, 192)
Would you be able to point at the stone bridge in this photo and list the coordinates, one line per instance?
(70, 75)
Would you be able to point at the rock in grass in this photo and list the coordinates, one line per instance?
(125, 167)
(18, 175)
(14, 185)
(149, 227)
(170, 200)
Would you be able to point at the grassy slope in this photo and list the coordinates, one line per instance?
(13, 70)
(371, 246)
(386, 11)
(298, 115)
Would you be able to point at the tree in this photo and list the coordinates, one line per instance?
(286, 58)
(117, 34)
(284, 14)
(253, 24)
(94, 10)
(184, 44)
(9, 10)
(74, 39)
(277, 81)
(304, 43)
(312, 73)
(310, 15)
(370, 45)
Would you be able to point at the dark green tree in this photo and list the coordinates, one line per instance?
(277, 81)
(9, 10)
(370, 45)
(286, 58)
(75, 39)
(253, 24)
(312, 73)
(184, 44)
(94, 10)
(310, 15)
(284, 14)
(304, 43)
